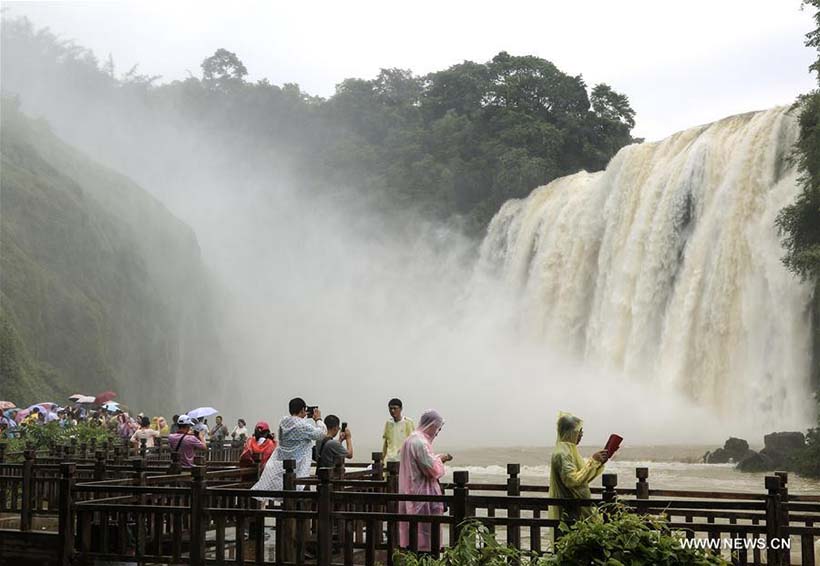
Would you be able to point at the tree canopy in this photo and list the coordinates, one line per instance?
(455, 143)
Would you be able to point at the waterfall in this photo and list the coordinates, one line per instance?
(666, 268)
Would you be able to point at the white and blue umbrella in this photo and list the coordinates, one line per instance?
(202, 412)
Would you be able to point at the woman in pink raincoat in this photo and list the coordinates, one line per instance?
(419, 473)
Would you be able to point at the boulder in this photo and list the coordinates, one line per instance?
(719, 456)
(734, 450)
(737, 448)
(785, 442)
(782, 446)
(756, 462)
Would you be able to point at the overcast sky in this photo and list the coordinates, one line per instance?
(680, 63)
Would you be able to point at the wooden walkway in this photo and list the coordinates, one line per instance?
(148, 511)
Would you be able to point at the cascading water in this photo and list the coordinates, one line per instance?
(666, 267)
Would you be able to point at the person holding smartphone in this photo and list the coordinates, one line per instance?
(329, 449)
(185, 441)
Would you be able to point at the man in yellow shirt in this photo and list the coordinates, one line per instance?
(396, 430)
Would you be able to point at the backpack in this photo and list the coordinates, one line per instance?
(318, 448)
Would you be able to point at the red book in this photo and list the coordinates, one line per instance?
(613, 443)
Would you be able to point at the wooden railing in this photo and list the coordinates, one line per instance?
(148, 512)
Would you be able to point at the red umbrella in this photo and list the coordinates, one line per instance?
(104, 397)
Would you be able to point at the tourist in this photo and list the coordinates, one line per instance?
(329, 449)
(144, 432)
(32, 418)
(185, 442)
(219, 432)
(419, 474)
(297, 435)
(396, 430)
(201, 428)
(261, 444)
(124, 428)
(570, 474)
(161, 426)
(240, 431)
(174, 426)
(62, 419)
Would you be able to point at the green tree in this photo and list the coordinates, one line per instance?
(799, 224)
(223, 70)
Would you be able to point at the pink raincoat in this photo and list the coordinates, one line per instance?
(419, 473)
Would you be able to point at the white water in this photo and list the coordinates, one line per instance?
(666, 268)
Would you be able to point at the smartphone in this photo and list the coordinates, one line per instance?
(310, 410)
(344, 427)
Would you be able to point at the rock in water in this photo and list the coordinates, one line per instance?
(734, 450)
(785, 441)
(755, 462)
(780, 446)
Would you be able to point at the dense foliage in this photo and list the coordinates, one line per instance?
(42, 436)
(799, 224)
(625, 539)
(476, 546)
(453, 143)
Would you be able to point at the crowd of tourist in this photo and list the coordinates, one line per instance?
(305, 437)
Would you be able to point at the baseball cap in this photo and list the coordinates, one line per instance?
(262, 425)
(185, 420)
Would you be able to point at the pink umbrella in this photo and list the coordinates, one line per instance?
(104, 397)
(4, 405)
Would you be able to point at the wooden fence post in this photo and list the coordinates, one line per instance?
(392, 507)
(642, 488)
(256, 530)
(378, 466)
(461, 478)
(610, 482)
(289, 504)
(27, 502)
(513, 511)
(784, 514)
(92, 445)
(99, 466)
(66, 509)
(774, 556)
(2, 452)
(174, 468)
(198, 516)
(324, 530)
(143, 447)
(72, 447)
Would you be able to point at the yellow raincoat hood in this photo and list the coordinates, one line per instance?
(569, 473)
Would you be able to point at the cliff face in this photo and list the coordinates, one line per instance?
(100, 286)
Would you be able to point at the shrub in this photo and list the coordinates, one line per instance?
(626, 539)
(41, 436)
(476, 546)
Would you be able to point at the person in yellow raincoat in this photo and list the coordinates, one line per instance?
(570, 474)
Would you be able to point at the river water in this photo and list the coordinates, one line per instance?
(670, 467)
